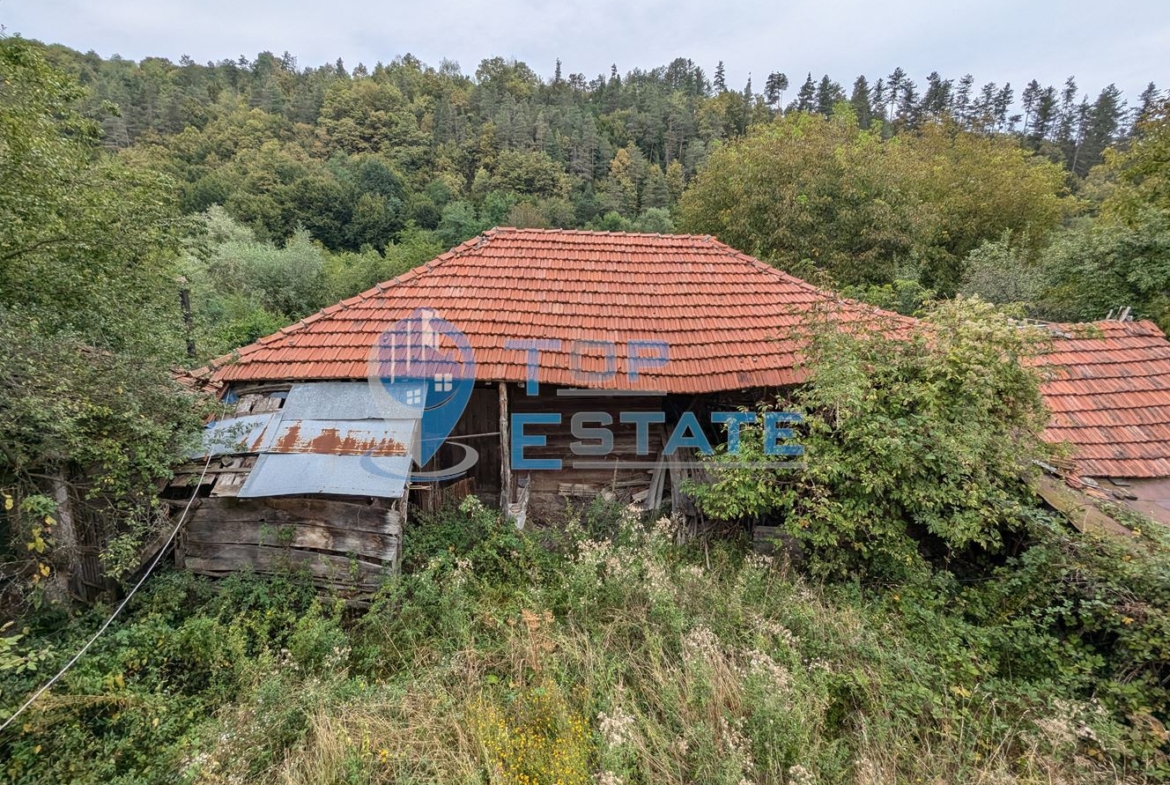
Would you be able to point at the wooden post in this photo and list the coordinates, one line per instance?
(188, 319)
(65, 556)
(505, 450)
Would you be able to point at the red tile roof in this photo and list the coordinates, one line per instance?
(729, 320)
(1109, 393)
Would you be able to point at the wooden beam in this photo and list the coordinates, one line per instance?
(1077, 508)
(505, 450)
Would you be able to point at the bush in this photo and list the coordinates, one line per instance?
(917, 444)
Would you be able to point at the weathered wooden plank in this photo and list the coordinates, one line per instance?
(505, 449)
(266, 559)
(275, 511)
(313, 536)
(1076, 507)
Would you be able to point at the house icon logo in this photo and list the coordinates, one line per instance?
(422, 368)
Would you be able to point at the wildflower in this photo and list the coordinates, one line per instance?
(616, 728)
(799, 775)
(760, 664)
(760, 561)
(700, 644)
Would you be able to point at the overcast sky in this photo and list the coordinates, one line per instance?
(1125, 42)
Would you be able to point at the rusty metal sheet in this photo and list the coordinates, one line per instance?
(380, 438)
(347, 475)
(330, 437)
(235, 435)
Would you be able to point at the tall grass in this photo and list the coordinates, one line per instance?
(624, 658)
(632, 660)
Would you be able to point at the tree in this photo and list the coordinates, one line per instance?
(1101, 122)
(806, 98)
(806, 193)
(1147, 105)
(1144, 169)
(720, 81)
(895, 84)
(828, 94)
(1098, 267)
(909, 115)
(88, 321)
(962, 103)
(75, 227)
(774, 89)
(936, 103)
(1030, 100)
(860, 101)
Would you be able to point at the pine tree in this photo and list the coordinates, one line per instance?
(806, 98)
(1029, 100)
(720, 82)
(909, 109)
(1045, 116)
(860, 101)
(877, 105)
(657, 193)
(828, 93)
(1102, 126)
(1147, 102)
(937, 101)
(1003, 102)
(1067, 126)
(894, 84)
(962, 102)
(983, 108)
(774, 89)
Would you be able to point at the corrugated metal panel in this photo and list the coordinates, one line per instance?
(347, 475)
(380, 438)
(355, 401)
(330, 437)
(236, 435)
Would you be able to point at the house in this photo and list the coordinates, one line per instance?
(539, 368)
(1108, 388)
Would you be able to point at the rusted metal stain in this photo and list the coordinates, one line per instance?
(311, 438)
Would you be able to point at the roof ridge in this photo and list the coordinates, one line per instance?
(599, 233)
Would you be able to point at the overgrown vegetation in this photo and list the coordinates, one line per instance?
(927, 621)
(919, 446)
(511, 657)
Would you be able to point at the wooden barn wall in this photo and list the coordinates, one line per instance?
(341, 544)
(479, 427)
(551, 492)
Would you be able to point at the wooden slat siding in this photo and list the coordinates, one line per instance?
(480, 416)
(545, 499)
(312, 536)
(358, 517)
(219, 560)
(341, 544)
